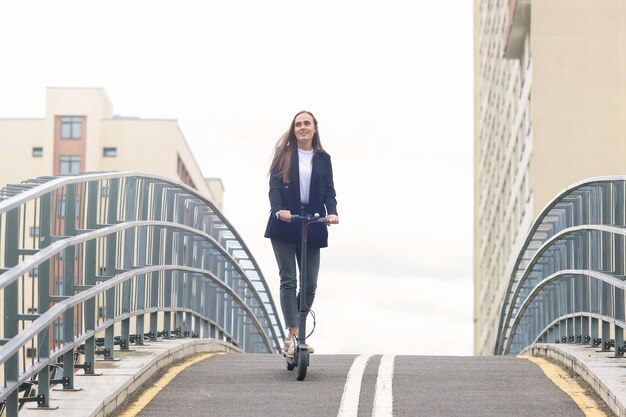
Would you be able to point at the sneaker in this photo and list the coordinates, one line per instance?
(292, 348)
(287, 342)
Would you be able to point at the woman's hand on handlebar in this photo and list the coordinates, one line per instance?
(284, 215)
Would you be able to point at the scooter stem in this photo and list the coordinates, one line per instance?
(303, 268)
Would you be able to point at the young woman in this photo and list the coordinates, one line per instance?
(301, 182)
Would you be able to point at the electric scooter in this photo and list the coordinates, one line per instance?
(300, 358)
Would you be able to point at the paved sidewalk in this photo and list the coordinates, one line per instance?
(605, 373)
(100, 395)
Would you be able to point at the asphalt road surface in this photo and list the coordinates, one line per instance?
(236, 385)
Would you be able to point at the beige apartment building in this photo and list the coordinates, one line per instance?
(550, 110)
(79, 133)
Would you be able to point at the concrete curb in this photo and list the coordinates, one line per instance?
(100, 395)
(605, 373)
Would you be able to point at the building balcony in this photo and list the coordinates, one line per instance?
(517, 27)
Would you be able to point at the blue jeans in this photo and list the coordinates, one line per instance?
(287, 255)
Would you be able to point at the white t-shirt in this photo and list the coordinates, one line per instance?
(305, 160)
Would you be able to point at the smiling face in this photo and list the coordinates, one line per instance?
(304, 129)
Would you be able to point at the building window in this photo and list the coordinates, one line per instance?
(37, 152)
(61, 207)
(58, 330)
(109, 152)
(34, 231)
(184, 174)
(69, 164)
(61, 201)
(71, 127)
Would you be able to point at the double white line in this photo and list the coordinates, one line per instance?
(383, 398)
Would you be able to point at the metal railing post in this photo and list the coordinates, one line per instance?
(156, 258)
(69, 273)
(128, 253)
(169, 247)
(204, 289)
(179, 282)
(11, 297)
(228, 279)
(111, 268)
(90, 266)
(142, 254)
(43, 301)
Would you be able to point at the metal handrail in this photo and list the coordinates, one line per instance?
(17, 271)
(42, 323)
(162, 250)
(55, 182)
(615, 282)
(12, 346)
(587, 207)
(548, 245)
(598, 317)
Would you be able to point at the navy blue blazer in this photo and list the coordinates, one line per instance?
(286, 196)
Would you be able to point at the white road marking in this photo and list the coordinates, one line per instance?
(383, 399)
(351, 391)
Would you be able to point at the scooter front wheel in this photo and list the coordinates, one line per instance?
(303, 364)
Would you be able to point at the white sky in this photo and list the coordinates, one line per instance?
(391, 86)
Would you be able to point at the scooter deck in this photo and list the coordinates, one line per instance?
(290, 359)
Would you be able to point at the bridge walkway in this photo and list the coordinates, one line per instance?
(238, 384)
(258, 385)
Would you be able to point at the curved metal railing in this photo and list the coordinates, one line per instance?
(567, 284)
(99, 260)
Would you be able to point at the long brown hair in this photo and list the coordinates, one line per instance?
(287, 144)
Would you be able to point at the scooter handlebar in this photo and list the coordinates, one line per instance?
(310, 217)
